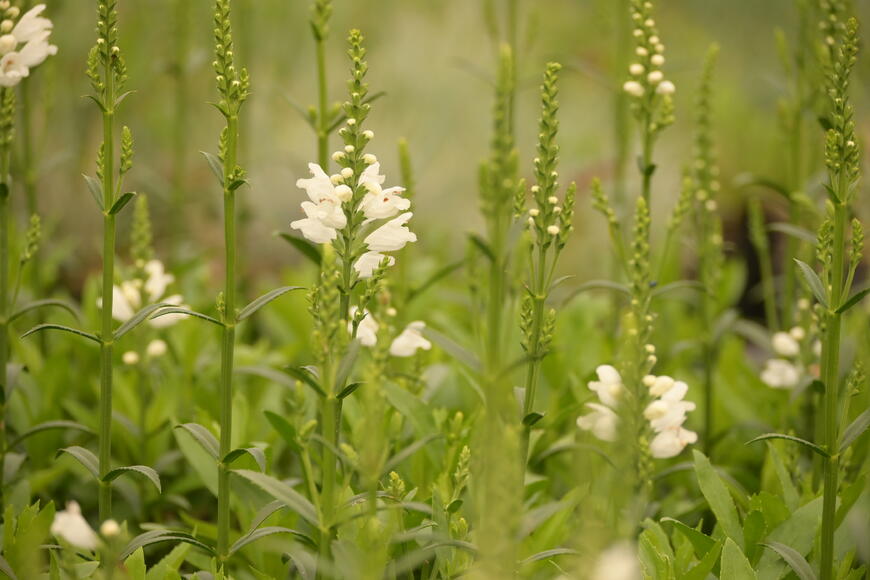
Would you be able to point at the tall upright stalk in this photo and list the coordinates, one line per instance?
(321, 11)
(842, 158)
(233, 87)
(7, 111)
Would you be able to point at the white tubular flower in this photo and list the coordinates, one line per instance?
(633, 88)
(780, 374)
(156, 348)
(127, 298)
(72, 527)
(367, 331)
(321, 221)
(784, 344)
(368, 263)
(392, 236)
(158, 280)
(32, 26)
(411, 339)
(671, 441)
(660, 385)
(663, 414)
(609, 385)
(618, 562)
(383, 203)
(319, 187)
(371, 176)
(601, 422)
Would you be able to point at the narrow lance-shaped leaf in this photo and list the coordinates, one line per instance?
(186, 312)
(83, 456)
(47, 426)
(855, 429)
(152, 537)
(202, 436)
(216, 166)
(50, 326)
(143, 470)
(137, 319)
(255, 452)
(282, 492)
(853, 300)
(717, 495)
(122, 201)
(96, 189)
(804, 442)
(794, 559)
(37, 304)
(269, 531)
(263, 300)
(306, 248)
(813, 281)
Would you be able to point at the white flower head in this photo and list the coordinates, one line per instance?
(32, 26)
(618, 562)
(72, 527)
(127, 298)
(666, 88)
(369, 262)
(367, 330)
(392, 236)
(601, 422)
(633, 88)
(609, 385)
(780, 374)
(784, 344)
(411, 339)
(670, 442)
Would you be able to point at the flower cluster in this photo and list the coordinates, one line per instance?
(132, 295)
(666, 413)
(23, 45)
(405, 344)
(786, 370)
(646, 74)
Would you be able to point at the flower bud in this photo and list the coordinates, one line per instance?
(110, 529)
(369, 134)
(534, 212)
(130, 357)
(655, 77)
(343, 192)
(7, 43)
(634, 88)
(347, 172)
(156, 348)
(657, 60)
(370, 159)
(553, 230)
(666, 88)
(636, 69)
(338, 156)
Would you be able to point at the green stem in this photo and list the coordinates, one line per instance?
(4, 298)
(830, 377)
(534, 368)
(323, 100)
(228, 339)
(106, 340)
(648, 138)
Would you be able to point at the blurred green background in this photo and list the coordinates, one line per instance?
(434, 60)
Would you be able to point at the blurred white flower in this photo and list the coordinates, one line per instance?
(156, 348)
(780, 374)
(110, 529)
(32, 31)
(618, 562)
(671, 441)
(633, 88)
(72, 527)
(666, 88)
(127, 298)
(130, 357)
(392, 236)
(609, 385)
(369, 261)
(411, 339)
(32, 26)
(602, 422)
(367, 331)
(784, 344)
(323, 213)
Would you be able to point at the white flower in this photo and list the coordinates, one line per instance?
(671, 441)
(156, 348)
(655, 77)
(602, 422)
(636, 69)
(367, 331)
(618, 562)
(780, 374)
(659, 385)
(72, 527)
(31, 25)
(368, 262)
(371, 176)
(110, 529)
(657, 59)
(608, 386)
(663, 414)
(633, 88)
(666, 88)
(127, 298)
(32, 31)
(784, 344)
(407, 343)
(319, 187)
(391, 236)
(383, 203)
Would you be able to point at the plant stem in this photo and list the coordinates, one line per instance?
(228, 339)
(5, 154)
(830, 377)
(323, 101)
(534, 367)
(106, 340)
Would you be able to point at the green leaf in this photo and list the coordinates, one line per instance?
(48, 425)
(345, 365)
(283, 493)
(799, 531)
(678, 285)
(595, 285)
(793, 230)
(97, 101)
(255, 452)
(122, 96)
(717, 495)
(135, 565)
(307, 378)
(703, 569)
(236, 183)
(348, 390)
(735, 566)
(804, 442)
(812, 280)
(50, 326)
(96, 189)
(433, 279)
(749, 179)
(548, 554)
(794, 559)
(481, 245)
(407, 452)
(187, 312)
(7, 569)
(452, 348)
(263, 300)
(158, 536)
(532, 418)
(269, 531)
(137, 319)
(701, 542)
(853, 300)
(216, 166)
(789, 492)
(37, 304)
(144, 470)
(306, 248)
(202, 436)
(85, 457)
(340, 118)
(122, 201)
(855, 429)
(285, 430)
